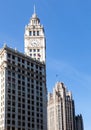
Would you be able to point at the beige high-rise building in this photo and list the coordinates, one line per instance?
(23, 92)
(60, 109)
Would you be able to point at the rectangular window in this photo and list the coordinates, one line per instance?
(19, 59)
(37, 33)
(23, 60)
(38, 50)
(23, 123)
(8, 121)
(33, 33)
(34, 50)
(28, 124)
(30, 33)
(30, 54)
(13, 57)
(30, 51)
(9, 72)
(13, 115)
(8, 115)
(23, 117)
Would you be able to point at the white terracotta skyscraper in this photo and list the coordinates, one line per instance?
(23, 92)
(34, 39)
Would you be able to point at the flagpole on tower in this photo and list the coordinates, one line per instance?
(56, 77)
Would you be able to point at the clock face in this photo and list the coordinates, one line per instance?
(34, 43)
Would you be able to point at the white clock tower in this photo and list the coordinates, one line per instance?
(34, 39)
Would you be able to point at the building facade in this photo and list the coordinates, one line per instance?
(60, 109)
(23, 92)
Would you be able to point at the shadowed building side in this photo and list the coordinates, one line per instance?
(79, 122)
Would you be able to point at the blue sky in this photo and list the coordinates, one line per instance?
(67, 26)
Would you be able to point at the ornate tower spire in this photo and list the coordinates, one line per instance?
(34, 39)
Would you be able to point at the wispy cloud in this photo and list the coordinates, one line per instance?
(69, 71)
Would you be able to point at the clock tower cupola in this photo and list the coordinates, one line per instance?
(34, 39)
